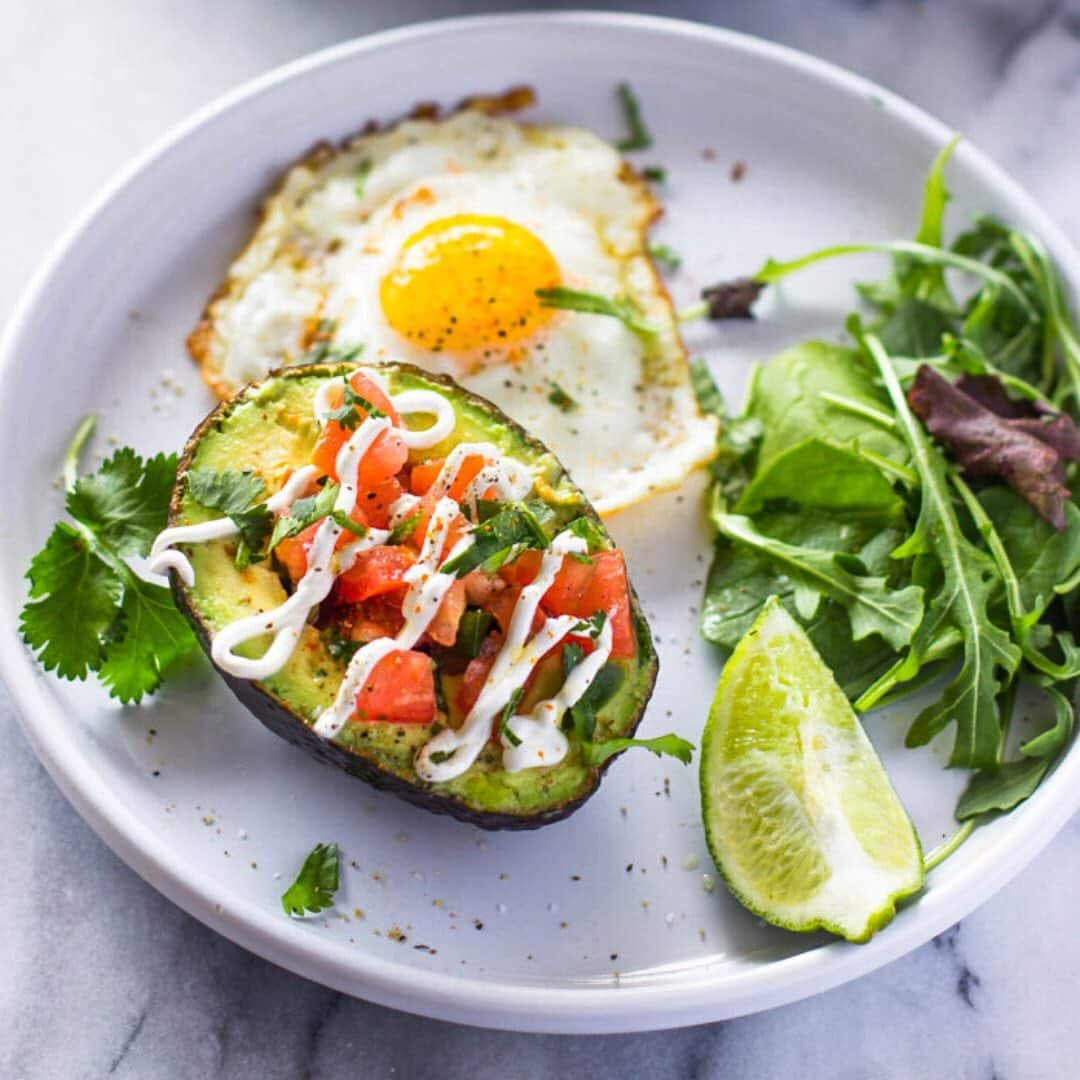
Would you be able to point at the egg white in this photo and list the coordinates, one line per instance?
(336, 225)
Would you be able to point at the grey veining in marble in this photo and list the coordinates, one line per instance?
(100, 976)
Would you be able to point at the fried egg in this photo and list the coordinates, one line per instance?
(427, 243)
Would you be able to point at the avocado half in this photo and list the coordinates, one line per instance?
(269, 427)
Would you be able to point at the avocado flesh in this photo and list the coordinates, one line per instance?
(269, 427)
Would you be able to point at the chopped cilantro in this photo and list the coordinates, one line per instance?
(654, 173)
(505, 530)
(638, 138)
(405, 527)
(315, 885)
(363, 170)
(472, 630)
(507, 714)
(303, 514)
(590, 531)
(348, 415)
(561, 399)
(665, 257)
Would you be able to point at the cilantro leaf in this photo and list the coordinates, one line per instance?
(596, 753)
(505, 530)
(505, 731)
(126, 502)
(561, 399)
(72, 607)
(303, 514)
(226, 490)
(151, 636)
(624, 308)
(315, 884)
(349, 415)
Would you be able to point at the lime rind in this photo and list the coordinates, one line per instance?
(800, 816)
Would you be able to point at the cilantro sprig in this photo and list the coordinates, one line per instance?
(315, 884)
(233, 493)
(87, 610)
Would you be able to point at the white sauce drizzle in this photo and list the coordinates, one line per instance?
(538, 738)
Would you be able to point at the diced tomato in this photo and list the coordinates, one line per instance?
(292, 553)
(472, 682)
(373, 504)
(443, 629)
(399, 690)
(580, 589)
(376, 571)
(387, 454)
(378, 617)
(609, 591)
(426, 473)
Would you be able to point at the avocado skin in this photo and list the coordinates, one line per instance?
(279, 718)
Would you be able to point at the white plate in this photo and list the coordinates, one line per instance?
(596, 923)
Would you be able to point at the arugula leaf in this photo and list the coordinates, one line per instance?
(87, 610)
(226, 490)
(624, 308)
(1001, 787)
(741, 580)
(871, 605)
(639, 138)
(596, 753)
(710, 400)
(960, 606)
(665, 257)
(315, 884)
(1050, 743)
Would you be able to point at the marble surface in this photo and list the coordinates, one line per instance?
(100, 976)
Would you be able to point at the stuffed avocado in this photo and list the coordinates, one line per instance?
(393, 575)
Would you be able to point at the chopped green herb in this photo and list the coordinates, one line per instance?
(303, 514)
(667, 259)
(588, 530)
(339, 647)
(507, 715)
(363, 171)
(561, 399)
(624, 308)
(638, 137)
(405, 528)
(348, 414)
(654, 173)
(472, 630)
(226, 490)
(315, 885)
(594, 754)
(505, 530)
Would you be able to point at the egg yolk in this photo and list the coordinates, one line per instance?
(469, 282)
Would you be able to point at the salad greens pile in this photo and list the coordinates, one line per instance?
(909, 496)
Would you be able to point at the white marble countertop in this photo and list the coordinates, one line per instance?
(101, 976)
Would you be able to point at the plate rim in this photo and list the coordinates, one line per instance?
(520, 1007)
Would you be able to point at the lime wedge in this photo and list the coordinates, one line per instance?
(800, 816)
